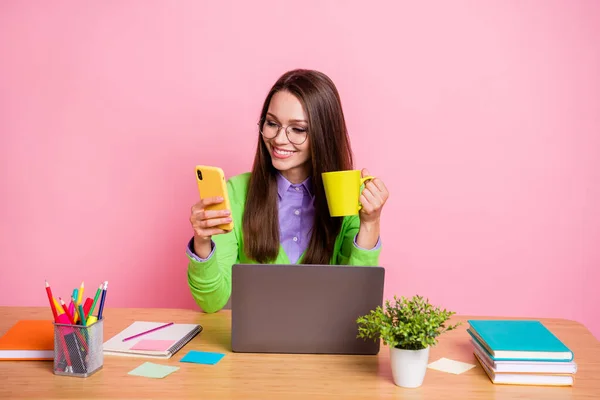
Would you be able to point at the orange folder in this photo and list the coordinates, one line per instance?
(28, 340)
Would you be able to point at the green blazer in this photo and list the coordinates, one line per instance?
(210, 280)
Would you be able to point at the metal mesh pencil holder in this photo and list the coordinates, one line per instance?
(78, 349)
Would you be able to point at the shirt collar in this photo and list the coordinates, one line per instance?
(283, 185)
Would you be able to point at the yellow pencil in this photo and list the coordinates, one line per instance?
(80, 295)
(76, 311)
(59, 308)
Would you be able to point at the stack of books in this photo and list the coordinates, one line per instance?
(521, 352)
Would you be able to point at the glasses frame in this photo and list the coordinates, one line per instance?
(287, 133)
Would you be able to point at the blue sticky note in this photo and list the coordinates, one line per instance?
(202, 357)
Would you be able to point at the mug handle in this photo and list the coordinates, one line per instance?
(362, 182)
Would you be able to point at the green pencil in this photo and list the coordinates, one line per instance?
(95, 299)
(81, 314)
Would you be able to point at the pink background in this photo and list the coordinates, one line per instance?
(481, 117)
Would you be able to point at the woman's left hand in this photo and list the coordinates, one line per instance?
(372, 198)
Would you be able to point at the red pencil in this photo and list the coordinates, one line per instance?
(64, 306)
(50, 299)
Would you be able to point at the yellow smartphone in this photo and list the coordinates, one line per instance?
(211, 183)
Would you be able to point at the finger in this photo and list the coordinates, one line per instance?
(196, 207)
(197, 215)
(208, 214)
(209, 223)
(364, 172)
(203, 203)
(373, 199)
(367, 207)
(377, 187)
(200, 215)
(371, 187)
(381, 188)
(210, 201)
(210, 232)
(207, 201)
(379, 184)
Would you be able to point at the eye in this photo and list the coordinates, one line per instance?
(271, 124)
(297, 129)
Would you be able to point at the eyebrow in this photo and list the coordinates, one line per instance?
(291, 120)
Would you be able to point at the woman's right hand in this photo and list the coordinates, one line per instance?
(205, 224)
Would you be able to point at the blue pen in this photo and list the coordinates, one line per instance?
(102, 300)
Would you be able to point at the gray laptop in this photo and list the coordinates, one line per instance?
(303, 308)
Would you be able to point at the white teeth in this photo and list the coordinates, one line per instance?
(283, 152)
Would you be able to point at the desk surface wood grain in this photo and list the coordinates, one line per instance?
(277, 376)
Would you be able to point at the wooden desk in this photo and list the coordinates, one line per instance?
(276, 376)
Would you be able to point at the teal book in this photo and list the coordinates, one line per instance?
(519, 340)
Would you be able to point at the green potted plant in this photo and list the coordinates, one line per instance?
(410, 327)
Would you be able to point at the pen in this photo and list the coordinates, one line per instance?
(102, 299)
(148, 331)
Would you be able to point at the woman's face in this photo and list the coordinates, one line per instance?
(292, 159)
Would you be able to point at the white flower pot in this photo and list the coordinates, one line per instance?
(409, 366)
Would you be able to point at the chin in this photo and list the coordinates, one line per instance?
(281, 165)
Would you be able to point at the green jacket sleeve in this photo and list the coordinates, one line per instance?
(349, 253)
(210, 280)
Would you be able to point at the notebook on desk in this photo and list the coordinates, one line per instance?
(162, 343)
(28, 340)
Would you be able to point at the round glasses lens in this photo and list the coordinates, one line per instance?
(270, 130)
(296, 135)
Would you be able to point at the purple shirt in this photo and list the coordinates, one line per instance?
(296, 214)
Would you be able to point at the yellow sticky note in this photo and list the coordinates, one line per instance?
(450, 366)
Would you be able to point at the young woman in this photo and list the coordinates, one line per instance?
(279, 209)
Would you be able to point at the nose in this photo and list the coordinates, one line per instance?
(281, 137)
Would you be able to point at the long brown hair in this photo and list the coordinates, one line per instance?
(330, 151)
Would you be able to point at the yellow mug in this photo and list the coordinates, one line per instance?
(342, 190)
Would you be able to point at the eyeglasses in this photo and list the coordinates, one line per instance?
(295, 134)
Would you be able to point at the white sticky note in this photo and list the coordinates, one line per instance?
(450, 366)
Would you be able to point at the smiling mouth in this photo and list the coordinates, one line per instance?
(283, 152)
